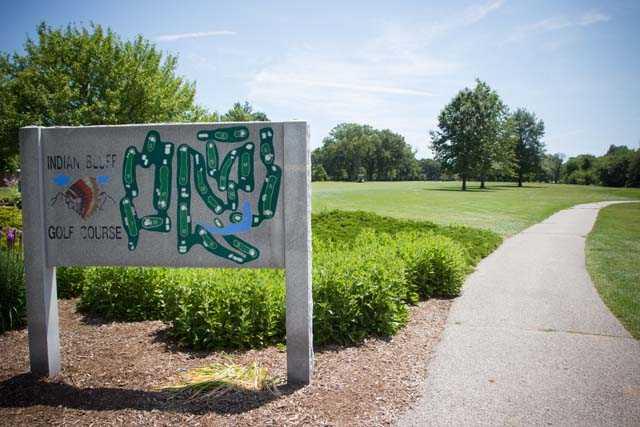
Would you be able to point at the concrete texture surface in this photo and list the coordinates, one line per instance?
(530, 342)
(297, 257)
(153, 247)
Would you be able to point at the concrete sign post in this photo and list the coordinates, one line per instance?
(184, 195)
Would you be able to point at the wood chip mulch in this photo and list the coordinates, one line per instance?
(113, 374)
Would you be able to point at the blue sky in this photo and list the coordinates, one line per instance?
(390, 64)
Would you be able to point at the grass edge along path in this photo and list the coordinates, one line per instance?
(613, 254)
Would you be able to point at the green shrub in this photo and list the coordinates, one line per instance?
(343, 226)
(230, 308)
(10, 217)
(10, 196)
(435, 265)
(475, 242)
(69, 281)
(363, 280)
(358, 291)
(12, 290)
(125, 293)
(346, 226)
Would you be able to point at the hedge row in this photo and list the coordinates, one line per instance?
(345, 226)
(367, 269)
(359, 289)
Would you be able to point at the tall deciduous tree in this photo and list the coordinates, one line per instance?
(467, 141)
(85, 76)
(526, 131)
(495, 152)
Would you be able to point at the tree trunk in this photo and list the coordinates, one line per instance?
(482, 182)
(464, 183)
(519, 180)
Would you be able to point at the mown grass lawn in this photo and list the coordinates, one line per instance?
(502, 207)
(613, 261)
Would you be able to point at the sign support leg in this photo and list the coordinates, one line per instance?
(297, 256)
(42, 305)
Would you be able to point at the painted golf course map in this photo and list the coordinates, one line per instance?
(193, 165)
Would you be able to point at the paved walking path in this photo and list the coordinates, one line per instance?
(530, 342)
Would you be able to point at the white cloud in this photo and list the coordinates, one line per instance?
(560, 22)
(549, 24)
(470, 15)
(196, 35)
(593, 17)
(477, 13)
(289, 79)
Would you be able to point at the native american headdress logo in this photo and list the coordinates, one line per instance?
(84, 196)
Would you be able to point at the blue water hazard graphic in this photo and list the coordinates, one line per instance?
(61, 180)
(103, 179)
(240, 227)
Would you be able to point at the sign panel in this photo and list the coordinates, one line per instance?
(182, 195)
(174, 195)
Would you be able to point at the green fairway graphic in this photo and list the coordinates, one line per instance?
(197, 168)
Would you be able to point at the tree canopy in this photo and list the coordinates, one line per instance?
(619, 167)
(467, 139)
(552, 167)
(526, 131)
(354, 152)
(243, 113)
(88, 75)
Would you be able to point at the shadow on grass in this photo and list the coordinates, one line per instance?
(26, 390)
(468, 190)
(488, 189)
(524, 186)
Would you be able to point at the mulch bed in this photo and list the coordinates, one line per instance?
(113, 374)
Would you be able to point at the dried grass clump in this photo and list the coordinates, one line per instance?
(219, 379)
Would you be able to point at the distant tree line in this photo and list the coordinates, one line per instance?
(354, 152)
(618, 167)
(478, 138)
